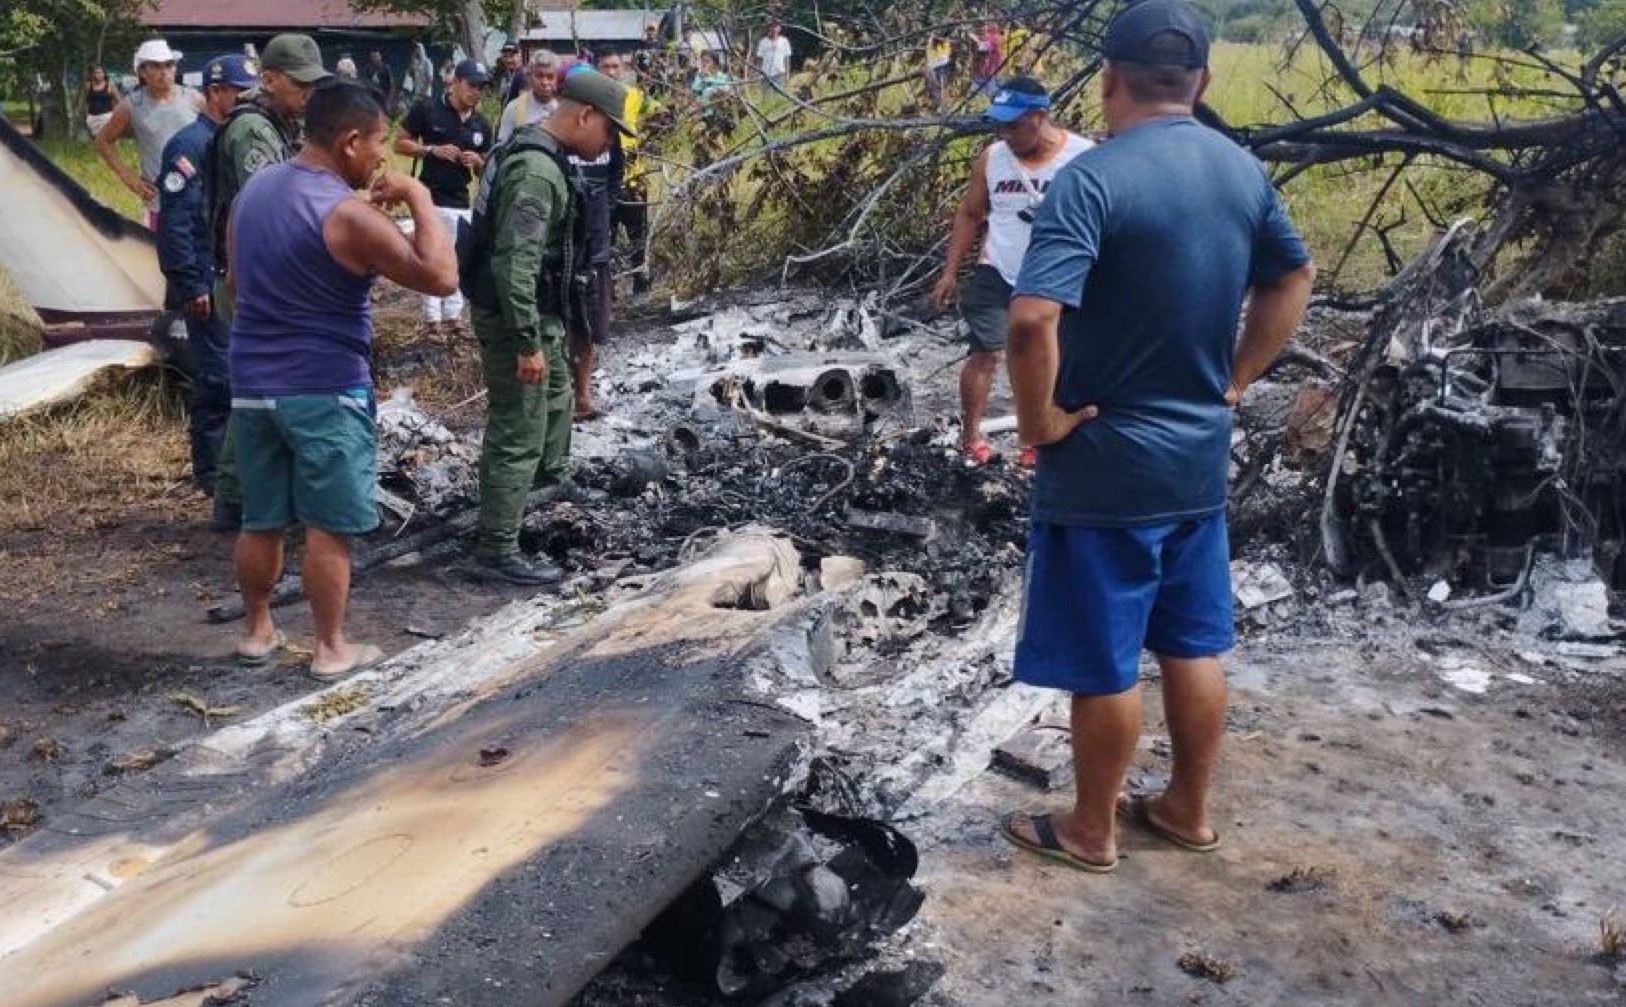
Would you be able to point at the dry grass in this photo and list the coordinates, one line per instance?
(1612, 935)
(74, 468)
(1206, 966)
(336, 704)
(19, 325)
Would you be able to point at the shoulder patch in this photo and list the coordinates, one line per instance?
(184, 165)
(174, 182)
(258, 157)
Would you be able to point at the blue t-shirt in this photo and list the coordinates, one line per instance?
(1150, 242)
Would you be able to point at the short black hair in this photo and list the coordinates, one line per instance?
(337, 106)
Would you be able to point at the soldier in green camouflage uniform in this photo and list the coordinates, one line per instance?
(528, 235)
(261, 131)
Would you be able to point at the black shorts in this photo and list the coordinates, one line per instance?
(985, 304)
(598, 303)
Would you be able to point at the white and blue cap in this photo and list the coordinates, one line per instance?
(1016, 98)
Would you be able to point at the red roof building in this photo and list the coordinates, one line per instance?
(253, 16)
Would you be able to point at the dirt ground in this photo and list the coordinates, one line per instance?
(1388, 840)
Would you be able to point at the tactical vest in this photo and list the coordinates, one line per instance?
(561, 286)
(220, 186)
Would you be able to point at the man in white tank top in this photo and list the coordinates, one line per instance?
(1007, 184)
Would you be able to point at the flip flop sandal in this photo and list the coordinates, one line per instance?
(1138, 810)
(978, 454)
(1028, 457)
(1049, 845)
(367, 656)
(245, 660)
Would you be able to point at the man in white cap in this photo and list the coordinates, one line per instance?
(155, 111)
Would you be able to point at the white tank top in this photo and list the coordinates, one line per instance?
(1012, 189)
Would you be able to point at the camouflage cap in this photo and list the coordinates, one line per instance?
(295, 55)
(598, 91)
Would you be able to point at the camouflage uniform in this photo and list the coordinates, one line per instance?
(254, 136)
(533, 209)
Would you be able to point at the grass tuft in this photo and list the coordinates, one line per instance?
(1612, 936)
(73, 467)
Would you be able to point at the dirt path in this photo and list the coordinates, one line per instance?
(1389, 840)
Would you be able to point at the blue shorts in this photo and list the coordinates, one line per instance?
(1096, 597)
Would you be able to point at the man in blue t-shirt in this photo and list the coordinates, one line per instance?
(1125, 364)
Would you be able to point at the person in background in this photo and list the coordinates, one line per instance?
(990, 58)
(448, 70)
(345, 69)
(100, 99)
(939, 64)
(186, 256)
(535, 103)
(509, 76)
(708, 81)
(382, 80)
(526, 240)
(632, 209)
(305, 250)
(152, 113)
(420, 73)
(1008, 181)
(261, 131)
(1126, 365)
(773, 57)
(601, 179)
(450, 138)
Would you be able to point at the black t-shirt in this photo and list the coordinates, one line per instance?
(381, 80)
(433, 121)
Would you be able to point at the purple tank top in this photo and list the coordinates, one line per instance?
(303, 323)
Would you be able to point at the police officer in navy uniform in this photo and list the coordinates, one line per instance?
(186, 255)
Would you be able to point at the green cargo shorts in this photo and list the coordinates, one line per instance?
(307, 459)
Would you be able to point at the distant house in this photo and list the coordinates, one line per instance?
(203, 29)
(566, 30)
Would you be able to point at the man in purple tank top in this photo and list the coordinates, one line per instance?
(305, 250)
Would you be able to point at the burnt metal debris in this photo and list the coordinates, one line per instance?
(1471, 439)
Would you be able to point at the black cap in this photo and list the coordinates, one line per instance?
(473, 71)
(1129, 36)
(508, 47)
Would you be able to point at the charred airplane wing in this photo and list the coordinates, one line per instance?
(74, 259)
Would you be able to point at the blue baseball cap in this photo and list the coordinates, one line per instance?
(1134, 35)
(1016, 98)
(232, 69)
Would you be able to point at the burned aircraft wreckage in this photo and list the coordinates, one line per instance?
(1469, 439)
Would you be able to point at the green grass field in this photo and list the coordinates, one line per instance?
(1253, 84)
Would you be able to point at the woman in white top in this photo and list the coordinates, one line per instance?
(1007, 184)
(152, 113)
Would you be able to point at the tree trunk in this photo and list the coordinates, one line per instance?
(473, 22)
(516, 21)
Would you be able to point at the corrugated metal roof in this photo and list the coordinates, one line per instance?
(593, 25)
(273, 14)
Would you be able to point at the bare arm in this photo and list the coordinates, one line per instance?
(365, 240)
(969, 221)
(116, 129)
(1033, 357)
(407, 145)
(1274, 313)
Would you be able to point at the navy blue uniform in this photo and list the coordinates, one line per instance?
(186, 255)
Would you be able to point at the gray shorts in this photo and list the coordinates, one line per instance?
(985, 304)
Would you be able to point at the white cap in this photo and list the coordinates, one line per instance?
(155, 50)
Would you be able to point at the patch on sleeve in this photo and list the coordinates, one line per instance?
(174, 182)
(257, 158)
(184, 165)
